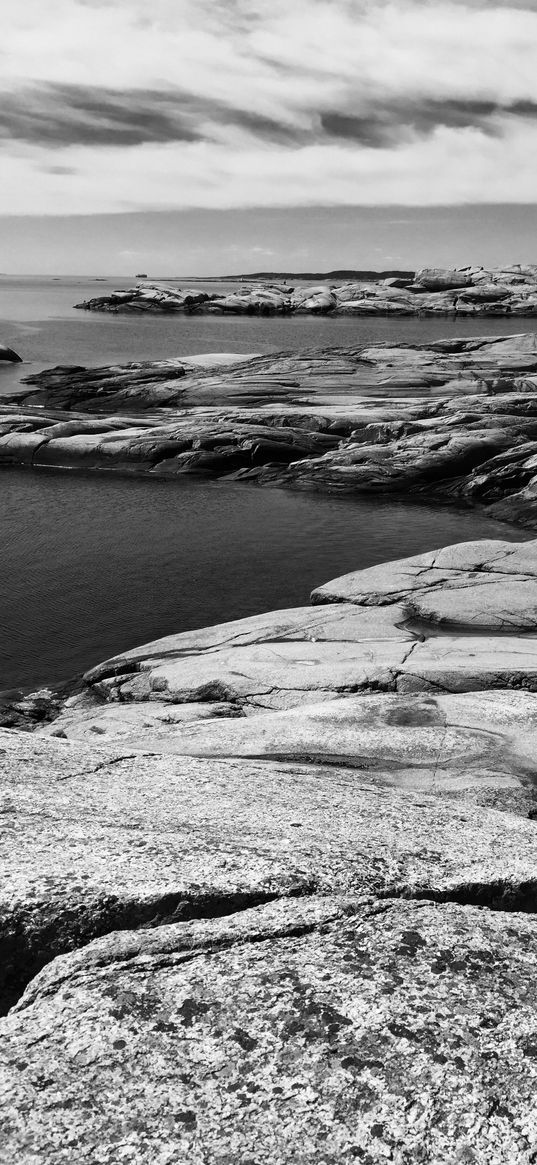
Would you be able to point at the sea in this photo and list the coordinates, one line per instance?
(93, 565)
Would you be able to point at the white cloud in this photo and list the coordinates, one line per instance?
(290, 63)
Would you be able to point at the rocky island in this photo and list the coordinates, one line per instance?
(9, 355)
(270, 885)
(453, 421)
(465, 291)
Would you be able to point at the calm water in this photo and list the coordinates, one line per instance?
(38, 319)
(93, 565)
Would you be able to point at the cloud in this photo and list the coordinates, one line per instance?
(72, 115)
(57, 116)
(222, 102)
(66, 115)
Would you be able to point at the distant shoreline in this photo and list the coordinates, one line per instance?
(339, 274)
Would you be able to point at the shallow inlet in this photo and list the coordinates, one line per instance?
(93, 565)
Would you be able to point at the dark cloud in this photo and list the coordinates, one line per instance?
(76, 115)
(66, 115)
(387, 123)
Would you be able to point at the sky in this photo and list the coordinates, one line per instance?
(213, 136)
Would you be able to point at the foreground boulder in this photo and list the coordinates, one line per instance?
(100, 839)
(270, 886)
(397, 1031)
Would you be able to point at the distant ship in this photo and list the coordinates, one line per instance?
(143, 275)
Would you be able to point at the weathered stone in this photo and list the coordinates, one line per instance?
(479, 746)
(453, 420)
(402, 1031)
(464, 291)
(381, 635)
(254, 934)
(97, 839)
(9, 355)
(281, 676)
(487, 585)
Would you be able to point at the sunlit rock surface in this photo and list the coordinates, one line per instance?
(400, 1031)
(463, 291)
(269, 888)
(452, 420)
(422, 672)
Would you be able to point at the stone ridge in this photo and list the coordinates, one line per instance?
(467, 291)
(452, 421)
(9, 355)
(270, 887)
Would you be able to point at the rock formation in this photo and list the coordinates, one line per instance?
(9, 355)
(270, 886)
(451, 420)
(465, 291)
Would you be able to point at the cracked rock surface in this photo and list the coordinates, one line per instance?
(270, 887)
(96, 840)
(326, 1032)
(451, 420)
(456, 628)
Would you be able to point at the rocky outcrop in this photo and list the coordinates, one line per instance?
(465, 291)
(377, 1031)
(270, 887)
(421, 672)
(9, 355)
(452, 420)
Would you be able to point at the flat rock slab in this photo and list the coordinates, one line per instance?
(284, 675)
(372, 630)
(397, 1031)
(479, 745)
(485, 586)
(96, 840)
(330, 662)
(275, 660)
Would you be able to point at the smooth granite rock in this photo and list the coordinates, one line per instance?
(269, 888)
(422, 672)
(463, 618)
(478, 746)
(487, 585)
(464, 291)
(449, 421)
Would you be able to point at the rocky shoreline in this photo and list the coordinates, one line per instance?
(452, 421)
(465, 291)
(270, 886)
